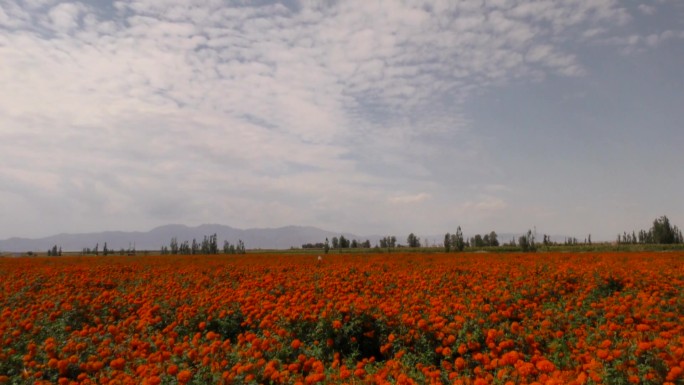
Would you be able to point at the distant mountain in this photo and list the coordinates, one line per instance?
(256, 238)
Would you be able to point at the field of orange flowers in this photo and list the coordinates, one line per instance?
(396, 318)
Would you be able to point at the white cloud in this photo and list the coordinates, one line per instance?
(485, 205)
(264, 103)
(493, 188)
(409, 198)
(4, 18)
(637, 43)
(647, 9)
(38, 4)
(65, 16)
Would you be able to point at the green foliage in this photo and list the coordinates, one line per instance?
(209, 245)
(665, 233)
(526, 242)
(457, 240)
(662, 232)
(607, 287)
(229, 326)
(344, 243)
(389, 242)
(229, 248)
(54, 251)
(174, 246)
(412, 240)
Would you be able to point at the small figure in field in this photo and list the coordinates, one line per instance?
(320, 259)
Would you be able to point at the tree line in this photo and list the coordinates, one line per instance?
(208, 245)
(338, 243)
(456, 241)
(106, 250)
(661, 232)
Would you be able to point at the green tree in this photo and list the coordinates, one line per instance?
(412, 240)
(447, 242)
(213, 244)
(326, 246)
(388, 242)
(526, 242)
(240, 249)
(493, 239)
(458, 242)
(205, 245)
(174, 245)
(184, 248)
(383, 243)
(478, 241)
(662, 231)
(228, 248)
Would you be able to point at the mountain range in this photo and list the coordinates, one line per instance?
(256, 238)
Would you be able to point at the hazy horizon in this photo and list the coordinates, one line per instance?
(433, 238)
(350, 116)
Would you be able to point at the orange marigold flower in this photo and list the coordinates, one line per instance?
(117, 363)
(459, 363)
(643, 327)
(345, 373)
(602, 354)
(52, 363)
(674, 374)
(184, 376)
(154, 380)
(545, 366)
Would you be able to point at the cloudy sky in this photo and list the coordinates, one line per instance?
(372, 117)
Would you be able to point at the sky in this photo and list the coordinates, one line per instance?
(369, 117)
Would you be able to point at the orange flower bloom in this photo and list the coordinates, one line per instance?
(184, 376)
(117, 363)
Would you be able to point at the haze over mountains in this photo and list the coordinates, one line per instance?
(266, 238)
(255, 238)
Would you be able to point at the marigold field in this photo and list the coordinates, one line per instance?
(400, 318)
